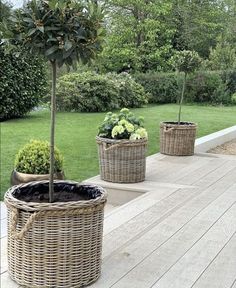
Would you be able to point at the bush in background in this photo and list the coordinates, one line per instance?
(23, 83)
(208, 87)
(91, 92)
(212, 87)
(162, 87)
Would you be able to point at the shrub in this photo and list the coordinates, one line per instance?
(162, 87)
(229, 77)
(201, 87)
(208, 87)
(23, 82)
(91, 92)
(86, 92)
(124, 125)
(131, 94)
(34, 158)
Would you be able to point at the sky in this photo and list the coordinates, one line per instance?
(16, 3)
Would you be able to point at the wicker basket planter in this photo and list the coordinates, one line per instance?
(122, 161)
(20, 178)
(55, 244)
(177, 140)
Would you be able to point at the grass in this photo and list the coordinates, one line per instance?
(75, 134)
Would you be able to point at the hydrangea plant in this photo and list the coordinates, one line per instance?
(122, 125)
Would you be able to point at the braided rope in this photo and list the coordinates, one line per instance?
(168, 130)
(110, 144)
(36, 215)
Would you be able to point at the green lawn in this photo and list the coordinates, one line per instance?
(75, 133)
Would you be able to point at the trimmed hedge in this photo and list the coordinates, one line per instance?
(214, 87)
(91, 92)
(162, 87)
(23, 82)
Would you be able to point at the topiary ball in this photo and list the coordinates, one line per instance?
(34, 158)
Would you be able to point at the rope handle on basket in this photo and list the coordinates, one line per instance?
(108, 147)
(15, 217)
(166, 130)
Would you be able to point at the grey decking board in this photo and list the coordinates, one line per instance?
(221, 272)
(185, 272)
(148, 276)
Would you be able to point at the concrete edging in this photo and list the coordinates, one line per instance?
(207, 142)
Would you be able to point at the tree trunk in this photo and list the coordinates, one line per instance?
(52, 134)
(182, 97)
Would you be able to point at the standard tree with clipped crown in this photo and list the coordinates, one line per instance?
(64, 32)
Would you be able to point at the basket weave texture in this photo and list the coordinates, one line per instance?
(122, 161)
(177, 140)
(54, 244)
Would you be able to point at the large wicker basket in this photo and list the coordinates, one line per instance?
(122, 161)
(54, 244)
(177, 140)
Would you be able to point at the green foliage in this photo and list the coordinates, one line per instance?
(91, 92)
(233, 98)
(201, 87)
(139, 36)
(23, 82)
(34, 158)
(229, 77)
(186, 61)
(66, 31)
(198, 24)
(124, 125)
(208, 87)
(162, 87)
(130, 93)
(222, 57)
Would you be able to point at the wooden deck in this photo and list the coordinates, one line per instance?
(181, 233)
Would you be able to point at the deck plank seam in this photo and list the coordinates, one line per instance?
(234, 203)
(168, 239)
(213, 260)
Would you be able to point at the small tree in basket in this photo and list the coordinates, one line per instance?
(186, 62)
(64, 32)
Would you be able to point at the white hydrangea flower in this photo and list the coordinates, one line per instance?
(134, 136)
(118, 129)
(142, 132)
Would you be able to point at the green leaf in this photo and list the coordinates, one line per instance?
(51, 50)
(68, 45)
(28, 20)
(32, 31)
(40, 28)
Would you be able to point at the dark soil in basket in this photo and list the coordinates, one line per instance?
(181, 123)
(63, 192)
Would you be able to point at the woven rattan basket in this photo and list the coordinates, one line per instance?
(177, 140)
(122, 161)
(54, 244)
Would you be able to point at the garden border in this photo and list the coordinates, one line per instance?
(205, 143)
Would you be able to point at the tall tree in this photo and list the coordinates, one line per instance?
(198, 24)
(139, 37)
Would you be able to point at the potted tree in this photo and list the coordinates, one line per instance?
(55, 227)
(32, 163)
(122, 145)
(178, 138)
